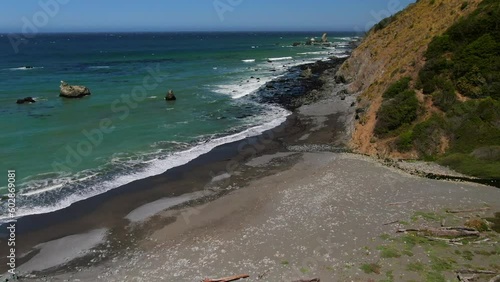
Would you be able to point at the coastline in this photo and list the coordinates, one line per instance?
(108, 210)
(235, 177)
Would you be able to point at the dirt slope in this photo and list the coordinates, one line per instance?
(390, 53)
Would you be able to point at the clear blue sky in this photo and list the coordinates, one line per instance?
(195, 15)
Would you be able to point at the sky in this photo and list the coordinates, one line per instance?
(22, 16)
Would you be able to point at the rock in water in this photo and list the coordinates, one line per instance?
(28, 100)
(170, 96)
(324, 38)
(73, 91)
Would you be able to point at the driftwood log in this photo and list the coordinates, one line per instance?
(310, 280)
(469, 210)
(445, 231)
(228, 279)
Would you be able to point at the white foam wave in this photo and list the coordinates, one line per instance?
(99, 67)
(24, 68)
(241, 89)
(315, 53)
(280, 59)
(248, 61)
(274, 118)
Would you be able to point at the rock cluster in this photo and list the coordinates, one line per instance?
(170, 96)
(73, 91)
(28, 100)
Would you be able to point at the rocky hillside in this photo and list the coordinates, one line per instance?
(416, 71)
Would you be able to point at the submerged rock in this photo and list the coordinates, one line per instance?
(28, 100)
(73, 91)
(170, 96)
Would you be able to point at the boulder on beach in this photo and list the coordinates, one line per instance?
(27, 100)
(73, 91)
(170, 96)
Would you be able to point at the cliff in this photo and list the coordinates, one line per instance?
(406, 89)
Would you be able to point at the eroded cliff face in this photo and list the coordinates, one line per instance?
(393, 52)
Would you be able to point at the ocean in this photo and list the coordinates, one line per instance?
(68, 150)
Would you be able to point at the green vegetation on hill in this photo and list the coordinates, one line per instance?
(465, 133)
(400, 108)
(467, 56)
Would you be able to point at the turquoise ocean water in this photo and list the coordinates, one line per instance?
(68, 150)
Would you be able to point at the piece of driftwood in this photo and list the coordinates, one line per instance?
(228, 279)
(462, 278)
(310, 280)
(392, 222)
(261, 276)
(476, 271)
(468, 210)
(495, 279)
(445, 231)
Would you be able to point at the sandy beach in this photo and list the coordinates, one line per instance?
(287, 205)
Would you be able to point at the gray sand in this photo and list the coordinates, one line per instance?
(148, 210)
(320, 218)
(63, 250)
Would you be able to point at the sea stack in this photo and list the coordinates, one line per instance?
(324, 38)
(170, 96)
(73, 91)
(28, 100)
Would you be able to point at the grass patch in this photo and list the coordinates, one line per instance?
(415, 266)
(389, 276)
(285, 262)
(468, 255)
(469, 165)
(371, 268)
(434, 277)
(304, 270)
(388, 252)
(385, 236)
(440, 264)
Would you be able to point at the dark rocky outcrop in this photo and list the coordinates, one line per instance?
(73, 91)
(27, 100)
(295, 44)
(170, 96)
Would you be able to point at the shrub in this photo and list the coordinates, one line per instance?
(396, 112)
(396, 88)
(445, 97)
(427, 135)
(404, 143)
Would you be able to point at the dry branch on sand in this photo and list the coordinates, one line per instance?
(228, 279)
(310, 280)
(452, 232)
(468, 210)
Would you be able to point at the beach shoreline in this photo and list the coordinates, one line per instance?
(109, 209)
(235, 186)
